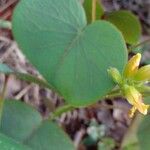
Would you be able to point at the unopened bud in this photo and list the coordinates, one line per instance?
(132, 66)
(115, 75)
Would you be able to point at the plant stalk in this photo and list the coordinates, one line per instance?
(2, 96)
(94, 10)
(139, 44)
(59, 111)
(131, 135)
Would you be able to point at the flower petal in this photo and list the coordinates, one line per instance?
(132, 111)
(134, 97)
(142, 108)
(132, 66)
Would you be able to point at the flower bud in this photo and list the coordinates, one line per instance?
(115, 75)
(132, 66)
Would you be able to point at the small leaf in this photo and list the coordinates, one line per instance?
(25, 126)
(127, 23)
(49, 137)
(88, 9)
(19, 120)
(7, 143)
(71, 56)
(106, 144)
(134, 146)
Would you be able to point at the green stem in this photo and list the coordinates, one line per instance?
(114, 93)
(93, 10)
(59, 111)
(139, 44)
(110, 96)
(2, 96)
(131, 135)
(5, 24)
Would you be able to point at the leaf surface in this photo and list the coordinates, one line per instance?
(127, 23)
(22, 128)
(72, 56)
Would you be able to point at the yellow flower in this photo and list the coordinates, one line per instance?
(127, 84)
(132, 66)
(134, 97)
(143, 74)
(132, 111)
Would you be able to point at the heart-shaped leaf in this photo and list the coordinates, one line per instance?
(22, 126)
(72, 56)
(127, 23)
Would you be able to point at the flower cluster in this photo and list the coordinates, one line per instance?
(131, 83)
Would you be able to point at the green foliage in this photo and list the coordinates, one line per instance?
(22, 125)
(22, 118)
(144, 130)
(72, 56)
(7, 143)
(144, 134)
(137, 136)
(88, 9)
(106, 144)
(127, 23)
(147, 100)
(132, 147)
(49, 137)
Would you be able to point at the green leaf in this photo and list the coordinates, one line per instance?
(127, 23)
(19, 120)
(147, 100)
(144, 133)
(144, 130)
(25, 126)
(132, 147)
(24, 76)
(49, 137)
(7, 143)
(106, 144)
(88, 9)
(72, 56)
